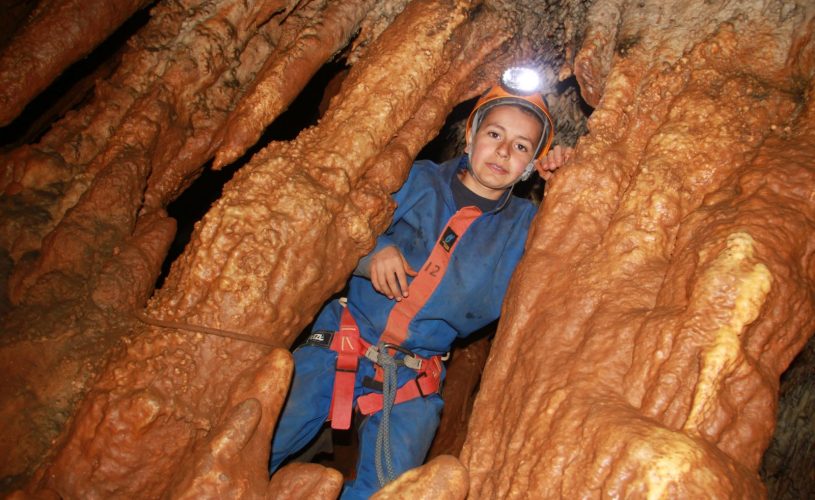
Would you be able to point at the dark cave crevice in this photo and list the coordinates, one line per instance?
(788, 465)
(197, 199)
(73, 88)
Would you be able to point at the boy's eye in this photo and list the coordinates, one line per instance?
(522, 148)
(492, 134)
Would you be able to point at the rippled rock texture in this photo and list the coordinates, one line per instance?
(667, 282)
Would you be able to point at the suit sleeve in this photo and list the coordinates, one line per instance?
(407, 196)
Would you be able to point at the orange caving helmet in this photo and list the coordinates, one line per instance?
(519, 86)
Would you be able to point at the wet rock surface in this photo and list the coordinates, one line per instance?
(678, 286)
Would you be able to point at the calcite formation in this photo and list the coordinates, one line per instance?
(57, 34)
(442, 477)
(667, 282)
(678, 279)
(111, 166)
(460, 387)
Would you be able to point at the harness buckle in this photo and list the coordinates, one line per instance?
(397, 347)
(411, 360)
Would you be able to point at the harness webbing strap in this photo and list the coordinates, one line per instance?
(429, 277)
(343, 342)
(425, 384)
(348, 344)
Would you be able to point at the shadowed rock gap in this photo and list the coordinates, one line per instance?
(54, 35)
(196, 200)
(787, 465)
(71, 89)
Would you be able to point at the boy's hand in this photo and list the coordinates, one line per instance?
(389, 272)
(554, 159)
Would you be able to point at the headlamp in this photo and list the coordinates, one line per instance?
(521, 81)
(518, 86)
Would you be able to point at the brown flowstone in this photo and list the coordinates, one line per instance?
(81, 187)
(460, 388)
(231, 461)
(304, 481)
(677, 260)
(321, 33)
(171, 63)
(443, 477)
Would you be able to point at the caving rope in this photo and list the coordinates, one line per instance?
(207, 330)
(383, 434)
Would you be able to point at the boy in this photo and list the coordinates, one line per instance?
(439, 272)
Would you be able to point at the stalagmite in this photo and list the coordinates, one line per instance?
(666, 286)
(442, 477)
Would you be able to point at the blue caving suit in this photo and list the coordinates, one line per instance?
(468, 298)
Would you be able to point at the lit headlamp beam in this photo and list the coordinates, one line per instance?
(521, 80)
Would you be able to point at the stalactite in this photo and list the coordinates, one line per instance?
(55, 35)
(82, 187)
(314, 39)
(153, 96)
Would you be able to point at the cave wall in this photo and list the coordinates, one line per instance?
(676, 261)
(667, 282)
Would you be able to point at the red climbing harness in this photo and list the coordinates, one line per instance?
(349, 345)
(425, 384)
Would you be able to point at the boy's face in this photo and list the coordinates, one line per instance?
(503, 146)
